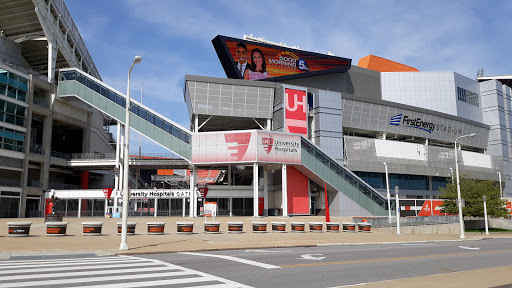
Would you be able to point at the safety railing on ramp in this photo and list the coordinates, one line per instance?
(73, 82)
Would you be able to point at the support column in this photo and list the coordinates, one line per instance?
(284, 189)
(156, 206)
(230, 207)
(183, 205)
(196, 123)
(191, 205)
(79, 207)
(269, 125)
(255, 189)
(265, 191)
(52, 58)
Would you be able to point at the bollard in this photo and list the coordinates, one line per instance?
(56, 228)
(298, 227)
(185, 227)
(235, 227)
(364, 227)
(19, 229)
(278, 227)
(349, 226)
(316, 226)
(332, 227)
(212, 227)
(130, 228)
(91, 228)
(156, 228)
(259, 227)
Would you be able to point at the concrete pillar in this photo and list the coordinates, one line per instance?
(184, 203)
(193, 198)
(269, 125)
(26, 147)
(230, 207)
(265, 191)
(156, 206)
(255, 189)
(196, 123)
(52, 58)
(79, 207)
(284, 189)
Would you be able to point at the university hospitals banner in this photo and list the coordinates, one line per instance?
(245, 146)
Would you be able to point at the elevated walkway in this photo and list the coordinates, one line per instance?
(321, 167)
(75, 83)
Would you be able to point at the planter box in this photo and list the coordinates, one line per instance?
(212, 227)
(185, 227)
(278, 227)
(156, 228)
(259, 227)
(92, 228)
(56, 228)
(316, 227)
(349, 227)
(19, 229)
(332, 227)
(298, 227)
(364, 227)
(130, 227)
(235, 227)
(53, 218)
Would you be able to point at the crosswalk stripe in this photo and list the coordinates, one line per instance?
(82, 273)
(58, 260)
(81, 267)
(106, 272)
(85, 263)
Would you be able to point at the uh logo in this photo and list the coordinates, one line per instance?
(296, 117)
(268, 143)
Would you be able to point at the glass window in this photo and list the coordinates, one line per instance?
(175, 131)
(142, 113)
(20, 121)
(10, 108)
(158, 122)
(104, 92)
(11, 92)
(135, 109)
(22, 95)
(119, 100)
(151, 118)
(167, 127)
(3, 89)
(20, 110)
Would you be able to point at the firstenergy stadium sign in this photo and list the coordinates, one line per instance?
(246, 146)
(418, 123)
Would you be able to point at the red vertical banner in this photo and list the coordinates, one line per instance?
(85, 179)
(296, 112)
(327, 217)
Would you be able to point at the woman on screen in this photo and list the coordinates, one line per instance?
(258, 69)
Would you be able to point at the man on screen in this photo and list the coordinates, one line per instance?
(241, 55)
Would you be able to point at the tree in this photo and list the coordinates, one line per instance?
(472, 191)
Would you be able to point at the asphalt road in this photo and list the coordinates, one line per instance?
(332, 266)
(322, 266)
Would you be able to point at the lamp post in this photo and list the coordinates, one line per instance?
(459, 200)
(140, 135)
(126, 189)
(387, 191)
(499, 178)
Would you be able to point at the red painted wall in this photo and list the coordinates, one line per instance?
(298, 196)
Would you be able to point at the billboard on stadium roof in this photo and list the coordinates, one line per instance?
(250, 60)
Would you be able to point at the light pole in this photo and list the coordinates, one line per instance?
(387, 190)
(499, 178)
(485, 214)
(126, 189)
(140, 135)
(459, 200)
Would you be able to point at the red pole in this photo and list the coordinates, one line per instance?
(327, 218)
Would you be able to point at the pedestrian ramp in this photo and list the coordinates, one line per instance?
(340, 178)
(105, 272)
(164, 131)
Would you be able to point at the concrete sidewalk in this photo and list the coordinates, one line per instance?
(108, 242)
(40, 245)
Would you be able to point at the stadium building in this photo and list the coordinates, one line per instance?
(288, 132)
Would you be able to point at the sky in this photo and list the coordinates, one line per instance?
(174, 38)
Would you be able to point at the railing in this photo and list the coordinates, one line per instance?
(59, 155)
(89, 156)
(10, 182)
(350, 177)
(379, 222)
(34, 183)
(63, 186)
(156, 156)
(36, 150)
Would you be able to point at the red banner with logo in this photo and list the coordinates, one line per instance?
(296, 113)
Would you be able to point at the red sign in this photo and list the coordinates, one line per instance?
(509, 207)
(237, 144)
(296, 117)
(107, 192)
(203, 191)
(431, 208)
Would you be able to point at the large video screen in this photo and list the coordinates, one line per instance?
(255, 61)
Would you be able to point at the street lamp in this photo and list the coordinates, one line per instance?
(140, 135)
(459, 200)
(387, 190)
(126, 189)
